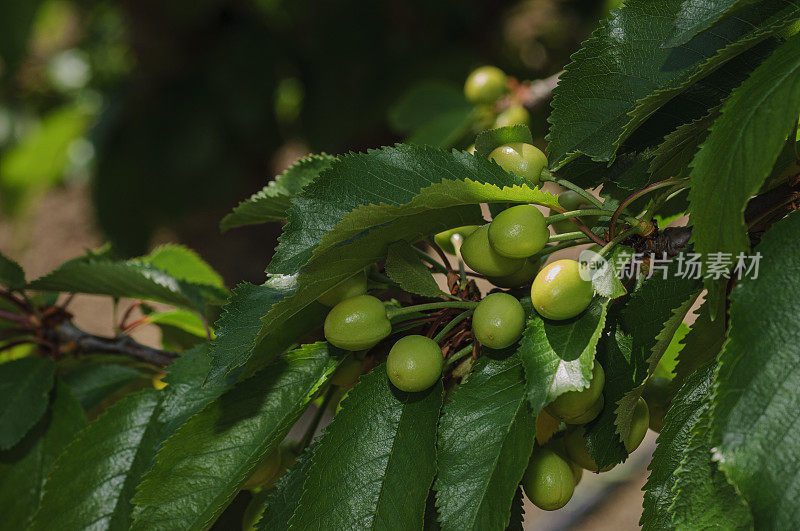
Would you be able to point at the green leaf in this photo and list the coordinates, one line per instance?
(628, 172)
(517, 512)
(92, 482)
(756, 399)
(238, 329)
(702, 344)
(485, 441)
(24, 387)
(184, 320)
(91, 383)
(444, 129)
(487, 141)
(374, 465)
(23, 469)
(402, 181)
(133, 279)
(606, 282)
(703, 497)
(202, 466)
(672, 157)
(186, 265)
(648, 322)
(622, 75)
(284, 497)
(679, 421)
(272, 202)
(757, 118)
(425, 101)
(558, 356)
(11, 274)
(185, 393)
(696, 16)
(403, 266)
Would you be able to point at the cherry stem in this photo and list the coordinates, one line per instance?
(636, 195)
(458, 355)
(546, 176)
(442, 256)
(452, 324)
(394, 312)
(308, 436)
(566, 236)
(22, 305)
(618, 238)
(431, 260)
(14, 318)
(564, 245)
(577, 213)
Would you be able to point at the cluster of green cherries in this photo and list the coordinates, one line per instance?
(560, 455)
(488, 87)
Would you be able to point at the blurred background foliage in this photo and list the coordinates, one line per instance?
(171, 112)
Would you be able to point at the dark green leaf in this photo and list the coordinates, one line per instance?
(757, 118)
(24, 387)
(487, 141)
(517, 512)
(11, 274)
(272, 202)
(91, 383)
(284, 497)
(756, 399)
(202, 466)
(681, 417)
(403, 266)
(185, 393)
(444, 129)
(374, 465)
(696, 16)
(238, 330)
(702, 344)
(425, 101)
(558, 356)
(133, 279)
(485, 441)
(362, 191)
(92, 482)
(703, 497)
(622, 75)
(672, 157)
(23, 469)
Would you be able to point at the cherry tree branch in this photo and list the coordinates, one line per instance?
(80, 342)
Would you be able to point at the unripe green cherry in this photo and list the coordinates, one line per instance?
(575, 443)
(346, 375)
(485, 85)
(351, 287)
(513, 115)
(523, 159)
(444, 241)
(657, 394)
(523, 277)
(357, 323)
(266, 471)
(498, 321)
(571, 200)
(588, 415)
(414, 363)
(558, 446)
(518, 232)
(572, 405)
(548, 481)
(639, 424)
(478, 254)
(558, 292)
